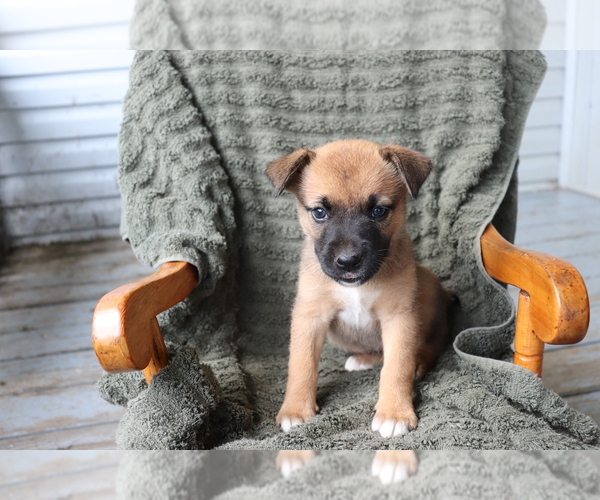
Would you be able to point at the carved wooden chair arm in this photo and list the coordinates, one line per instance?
(553, 308)
(125, 332)
(553, 303)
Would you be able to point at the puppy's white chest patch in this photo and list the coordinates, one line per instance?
(357, 307)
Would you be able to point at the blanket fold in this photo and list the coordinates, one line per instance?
(199, 129)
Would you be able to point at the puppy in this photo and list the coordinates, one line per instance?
(359, 284)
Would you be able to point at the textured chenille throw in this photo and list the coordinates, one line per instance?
(473, 475)
(337, 24)
(199, 129)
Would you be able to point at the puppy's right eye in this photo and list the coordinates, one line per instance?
(319, 214)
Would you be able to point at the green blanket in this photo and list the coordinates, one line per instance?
(460, 475)
(199, 129)
(337, 24)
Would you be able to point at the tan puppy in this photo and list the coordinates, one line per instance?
(359, 284)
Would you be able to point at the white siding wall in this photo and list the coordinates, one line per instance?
(541, 146)
(59, 118)
(65, 24)
(60, 114)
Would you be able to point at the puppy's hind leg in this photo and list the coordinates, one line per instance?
(363, 362)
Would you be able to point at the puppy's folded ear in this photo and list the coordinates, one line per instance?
(412, 166)
(284, 173)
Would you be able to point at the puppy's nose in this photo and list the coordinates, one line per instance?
(348, 261)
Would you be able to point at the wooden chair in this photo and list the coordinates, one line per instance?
(553, 308)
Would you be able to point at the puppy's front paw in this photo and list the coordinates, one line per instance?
(394, 422)
(291, 415)
(393, 466)
(290, 460)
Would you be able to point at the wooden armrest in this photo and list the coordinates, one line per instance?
(553, 308)
(553, 303)
(125, 332)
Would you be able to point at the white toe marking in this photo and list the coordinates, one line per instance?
(390, 427)
(401, 473)
(353, 365)
(386, 475)
(287, 423)
(400, 428)
(390, 472)
(376, 424)
(286, 468)
(376, 467)
(387, 428)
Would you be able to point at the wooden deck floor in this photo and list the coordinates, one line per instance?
(47, 296)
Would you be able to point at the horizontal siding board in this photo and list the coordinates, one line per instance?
(60, 123)
(540, 141)
(70, 154)
(39, 91)
(545, 113)
(555, 10)
(57, 187)
(554, 37)
(61, 217)
(538, 169)
(17, 17)
(553, 84)
(555, 58)
(35, 62)
(108, 37)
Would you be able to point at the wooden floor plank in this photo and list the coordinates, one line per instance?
(534, 237)
(37, 374)
(43, 253)
(53, 410)
(19, 466)
(572, 369)
(61, 294)
(84, 437)
(556, 216)
(69, 269)
(46, 317)
(553, 200)
(566, 248)
(48, 330)
(95, 484)
(35, 343)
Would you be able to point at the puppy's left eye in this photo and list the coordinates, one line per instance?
(379, 212)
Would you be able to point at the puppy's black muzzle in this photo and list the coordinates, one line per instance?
(351, 248)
